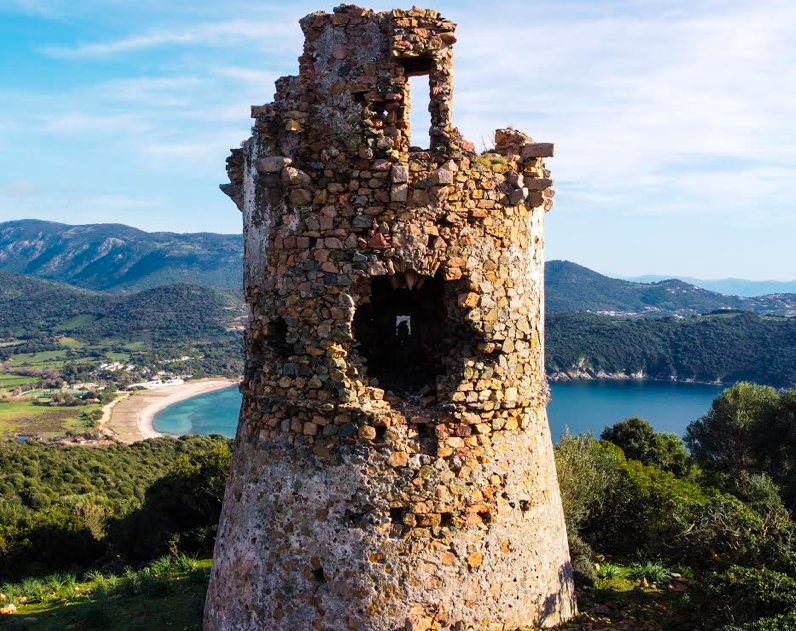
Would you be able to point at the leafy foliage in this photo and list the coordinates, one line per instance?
(65, 507)
(746, 442)
(181, 510)
(721, 347)
(639, 441)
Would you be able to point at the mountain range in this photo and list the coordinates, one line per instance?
(120, 259)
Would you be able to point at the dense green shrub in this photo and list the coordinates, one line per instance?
(747, 599)
(181, 510)
(34, 474)
(639, 441)
(746, 444)
(626, 508)
(43, 541)
(587, 470)
(63, 506)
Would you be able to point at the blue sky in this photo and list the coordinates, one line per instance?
(674, 121)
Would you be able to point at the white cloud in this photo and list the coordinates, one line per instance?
(631, 100)
(217, 33)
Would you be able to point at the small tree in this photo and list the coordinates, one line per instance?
(639, 441)
(725, 441)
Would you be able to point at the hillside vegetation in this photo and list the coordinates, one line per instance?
(574, 288)
(115, 257)
(720, 347)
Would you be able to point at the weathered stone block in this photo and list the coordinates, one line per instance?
(272, 164)
(537, 150)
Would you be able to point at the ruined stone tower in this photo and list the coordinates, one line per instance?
(393, 468)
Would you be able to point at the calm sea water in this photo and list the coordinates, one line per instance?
(577, 406)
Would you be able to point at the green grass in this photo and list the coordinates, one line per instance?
(117, 357)
(11, 381)
(27, 418)
(71, 342)
(74, 322)
(167, 594)
(39, 360)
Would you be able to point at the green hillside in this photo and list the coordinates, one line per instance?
(720, 347)
(115, 257)
(573, 288)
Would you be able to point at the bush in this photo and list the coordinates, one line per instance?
(726, 440)
(632, 510)
(746, 599)
(639, 441)
(34, 543)
(181, 510)
(587, 470)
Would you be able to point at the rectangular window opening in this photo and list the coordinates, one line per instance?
(419, 112)
(401, 319)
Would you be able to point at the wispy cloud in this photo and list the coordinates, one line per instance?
(225, 32)
(629, 97)
(20, 189)
(94, 123)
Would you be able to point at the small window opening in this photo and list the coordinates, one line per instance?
(397, 514)
(419, 113)
(401, 333)
(276, 338)
(417, 70)
(318, 575)
(414, 66)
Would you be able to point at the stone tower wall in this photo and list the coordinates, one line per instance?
(393, 466)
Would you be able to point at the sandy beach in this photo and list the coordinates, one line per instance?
(131, 418)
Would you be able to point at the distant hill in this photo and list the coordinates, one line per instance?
(27, 302)
(730, 286)
(721, 347)
(573, 288)
(33, 306)
(118, 258)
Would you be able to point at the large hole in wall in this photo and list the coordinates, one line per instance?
(400, 333)
(418, 69)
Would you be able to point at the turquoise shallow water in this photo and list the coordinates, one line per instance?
(578, 406)
(210, 413)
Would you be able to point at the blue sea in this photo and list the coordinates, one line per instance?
(578, 406)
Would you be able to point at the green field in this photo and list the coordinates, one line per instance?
(25, 417)
(74, 322)
(39, 360)
(71, 342)
(11, 381)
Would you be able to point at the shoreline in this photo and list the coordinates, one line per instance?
(132, 418)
